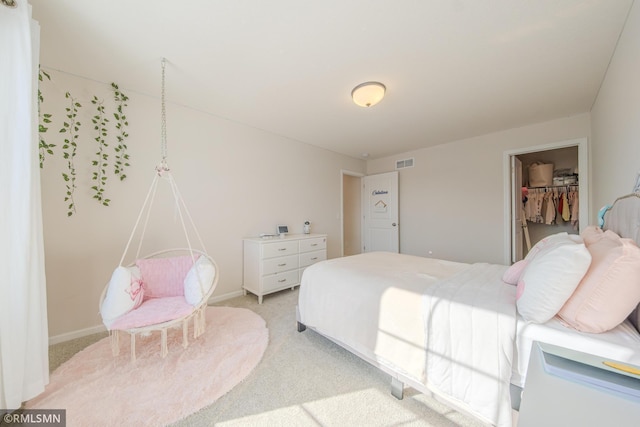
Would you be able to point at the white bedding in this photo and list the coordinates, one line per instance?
(374, 303)
(470, 321)
(450, 327)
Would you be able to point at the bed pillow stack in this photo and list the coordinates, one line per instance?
(552, 271)
(610, 289)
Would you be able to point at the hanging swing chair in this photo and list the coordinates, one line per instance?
(165, 289)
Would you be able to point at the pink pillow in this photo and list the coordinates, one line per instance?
(610, 290)
(591, 234)
(513, 273)
(124, 293)
(164, 277)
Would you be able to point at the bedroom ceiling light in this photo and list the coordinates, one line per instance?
(368, 94)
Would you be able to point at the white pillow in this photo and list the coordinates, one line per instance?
(550, 278)
(124, 293)
(550, 242)
(202, 270)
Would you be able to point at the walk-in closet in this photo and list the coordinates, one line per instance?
(550, 194)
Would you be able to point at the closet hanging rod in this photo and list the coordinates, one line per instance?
(566, 187)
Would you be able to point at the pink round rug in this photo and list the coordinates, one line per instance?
(98, 389)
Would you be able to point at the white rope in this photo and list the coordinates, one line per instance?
(163, 119)
(126, 249)
(154, 183)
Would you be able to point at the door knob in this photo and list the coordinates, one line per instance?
(393, 224)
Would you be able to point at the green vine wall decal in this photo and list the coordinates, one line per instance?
(111, 149)
(101, 161)
(69, 148)
(122, 156)
(43, 120)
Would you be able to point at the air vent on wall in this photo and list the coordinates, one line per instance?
(406, 163)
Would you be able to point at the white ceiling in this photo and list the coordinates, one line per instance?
(453, 68)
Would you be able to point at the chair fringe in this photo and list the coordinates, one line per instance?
(163, 345)
(133, 347)
(115, 342)
(199, 323)
(185, 333)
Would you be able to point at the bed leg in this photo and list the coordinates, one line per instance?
(397, 388)
(301, 327)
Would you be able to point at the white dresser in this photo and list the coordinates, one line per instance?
(274, 264)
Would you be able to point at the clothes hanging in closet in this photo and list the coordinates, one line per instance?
(552, 205)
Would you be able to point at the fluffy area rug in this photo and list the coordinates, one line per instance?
(98, 389)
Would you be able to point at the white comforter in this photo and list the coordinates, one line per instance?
(447, 325)
(470, 321)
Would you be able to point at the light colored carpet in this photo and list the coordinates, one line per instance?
(306, 380)
(98, 389)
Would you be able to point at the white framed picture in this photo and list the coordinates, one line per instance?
(636, 187)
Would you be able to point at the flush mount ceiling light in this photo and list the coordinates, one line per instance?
(368, 94)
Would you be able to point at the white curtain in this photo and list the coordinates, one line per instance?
(24, 361)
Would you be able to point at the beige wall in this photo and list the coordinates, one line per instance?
(452, 200)
(236, 181)
(615, 120)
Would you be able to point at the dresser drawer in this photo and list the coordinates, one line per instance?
(275, 249)
(280, 281)
(313, 244)
(280, 264)
(308, 258)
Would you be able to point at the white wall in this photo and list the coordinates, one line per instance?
(236, 181)
(452, 201)
(615, 120)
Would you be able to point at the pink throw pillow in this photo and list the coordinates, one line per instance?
(591, 234)
(610, 290)
(164, 277)
(513, 273)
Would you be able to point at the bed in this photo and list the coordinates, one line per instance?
(463, 332)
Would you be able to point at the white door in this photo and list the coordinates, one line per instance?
(380, 213)
(516, 209)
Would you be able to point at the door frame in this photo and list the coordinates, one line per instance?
(583, 166)
(360, 175)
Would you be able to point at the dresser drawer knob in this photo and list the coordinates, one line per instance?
(282, 249)
(282, 280)
(314, 244)
(314, 258)
(282, 265)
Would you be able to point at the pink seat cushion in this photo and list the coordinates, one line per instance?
(153, 311)
(164, 277)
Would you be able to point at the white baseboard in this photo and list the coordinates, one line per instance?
(56, 339)
(224, 297)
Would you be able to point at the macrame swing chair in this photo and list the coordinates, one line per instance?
(165, 289)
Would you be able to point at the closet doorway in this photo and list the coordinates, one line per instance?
(570, 161)
(351, 212)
